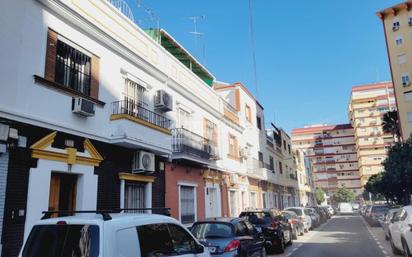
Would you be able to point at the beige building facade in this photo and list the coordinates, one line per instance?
(397, 23)
(331, 154)
(367, 105)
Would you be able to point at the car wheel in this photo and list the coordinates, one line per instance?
(406, 251)
(394, 249)
(281, 247)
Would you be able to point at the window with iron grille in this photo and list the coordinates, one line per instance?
(187, 204)
(134, 195)
(72, 68)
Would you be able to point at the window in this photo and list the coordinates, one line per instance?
(233, 147)
(410, 21)
(184, 119)
(134, 93)
(210, 131)
(232, 203)
(248, 113)
(280, 168)
(396, 25)
(183, 242)
(134, 195)
(408, 96)
(409, 116)
(401, 58)
(289, 148)
(399, 40)
(284, 145)
(260, 156)
(253, 199)
(72, 68)
(155, 238)
(187, 204)
(271, 164)
(129, 247)
(259, 122)
(241, 229)
(405, 79)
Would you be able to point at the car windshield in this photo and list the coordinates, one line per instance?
(380, 209)
(63, 241)
(257, 217)
(295, 210)
(212, 230)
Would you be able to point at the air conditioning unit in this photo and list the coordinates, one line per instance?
(395, 28)
(406, 83)
(243, 152)
(233, 179)
(83, 106)
(143, 162)
(163, 101)
(410, 22)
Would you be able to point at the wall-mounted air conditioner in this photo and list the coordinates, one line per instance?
(143, 162)
(163, 101)
(83, 106)
(233, 179)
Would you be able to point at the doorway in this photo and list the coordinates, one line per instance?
(63, 188)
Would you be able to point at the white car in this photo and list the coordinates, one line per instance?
(400, 234)
(112, 235)
(304, 215)
(345, 209)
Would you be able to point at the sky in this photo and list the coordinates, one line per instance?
(308, 53)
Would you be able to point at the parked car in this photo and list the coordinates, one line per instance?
(345, 209)
(388, 221)
(141, 235)
(276, 231)
(228, 237)
(400, 231)
(314, 216)
(367, 210)
(376, 214)
(355, 206)
(303, 215)
(330, 209)
(295, 222)
(324, 216)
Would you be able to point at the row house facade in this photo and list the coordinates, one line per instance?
(332, 154)
(96, 113)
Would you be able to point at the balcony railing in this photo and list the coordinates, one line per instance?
(141, 113)
(185, 141)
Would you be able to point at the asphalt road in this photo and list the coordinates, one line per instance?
(342, 236)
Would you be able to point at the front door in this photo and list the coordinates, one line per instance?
(212, 202)
(62, 192)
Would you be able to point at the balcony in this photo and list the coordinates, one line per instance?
(135, 112)
(192, 147)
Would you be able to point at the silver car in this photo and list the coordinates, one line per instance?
(387, 221)
(303, 215)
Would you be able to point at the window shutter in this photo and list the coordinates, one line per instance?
(214, 136)
(50, 67)
(94, 81)
(236, 147)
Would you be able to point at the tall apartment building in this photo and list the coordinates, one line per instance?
(397, 24)
(332, 156)
(367, 105)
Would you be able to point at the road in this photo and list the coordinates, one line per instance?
(342, 236)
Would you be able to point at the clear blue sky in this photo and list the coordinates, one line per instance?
(309, 53)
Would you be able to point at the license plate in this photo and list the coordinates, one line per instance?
(212, 249)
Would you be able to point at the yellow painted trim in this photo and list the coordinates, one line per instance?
(88, 146)
(71, 155)
(139, 121)
(48, 155)
(136, 177)
(44, 142)
(87, 161)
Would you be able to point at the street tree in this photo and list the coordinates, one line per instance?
(390, 124)
(343, 195)
(320, 195)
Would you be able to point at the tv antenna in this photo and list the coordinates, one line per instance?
(196, 34)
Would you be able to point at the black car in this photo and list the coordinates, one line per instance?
(277, 232)
(229, 237)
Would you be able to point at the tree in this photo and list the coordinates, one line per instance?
(343, 195)
(390, 124)
(320, 195)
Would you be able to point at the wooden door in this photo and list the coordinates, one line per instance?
(62, 192)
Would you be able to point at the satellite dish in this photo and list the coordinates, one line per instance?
(123, 7)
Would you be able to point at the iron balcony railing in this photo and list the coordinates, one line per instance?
(136, 110)
(185, 141)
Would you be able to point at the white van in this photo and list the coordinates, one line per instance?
(345, 209)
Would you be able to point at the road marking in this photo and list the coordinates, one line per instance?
(374, 237)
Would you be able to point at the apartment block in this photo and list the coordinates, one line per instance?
(331, 155)
(397, 24)
(367, 105)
